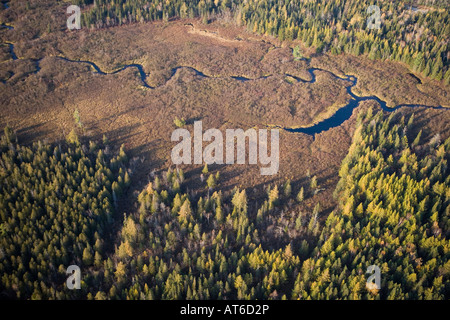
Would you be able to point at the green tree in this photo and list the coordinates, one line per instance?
(76, 117)
(297, 53)
(179, 122)
(301, 195)
(211, 182)
(313, 183)
(287, 189)
(72, 138)
(88, 259)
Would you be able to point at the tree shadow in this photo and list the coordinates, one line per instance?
(33, 133)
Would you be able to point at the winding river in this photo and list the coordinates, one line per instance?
(345, 112)
(341, 115)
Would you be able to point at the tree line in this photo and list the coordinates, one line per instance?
(393, 209)
(420, 39)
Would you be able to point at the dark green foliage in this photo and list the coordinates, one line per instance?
(55, 208)
(419, 39)
(393, 212)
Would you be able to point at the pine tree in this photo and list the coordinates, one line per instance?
(287, 188)
(72, 138)
(211, 182)
(437, 68)
(273, 197)
(447, 77)
(417, 139)
(313, 183)
(297, 53)
(185, 210)
(87, 256)
(300, 195)
(76, 116)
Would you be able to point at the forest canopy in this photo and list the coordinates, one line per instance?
(418, 38)
(56, 206)
(393, 211)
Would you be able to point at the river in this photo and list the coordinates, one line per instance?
(341, 115)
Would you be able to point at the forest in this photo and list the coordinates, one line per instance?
(58, 201)
(417, 38)
(56, 207)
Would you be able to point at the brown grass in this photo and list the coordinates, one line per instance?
(41, 105)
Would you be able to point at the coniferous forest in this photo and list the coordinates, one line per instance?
(418, 39)
(363, 155)
(56, 206)
(58, 202)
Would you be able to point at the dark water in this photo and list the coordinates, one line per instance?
(240, 78)
(6, 27)
(11, 50)
(341, 115)
(198, 73)
(138, 67)
(346, 111)
(243, 79)
(415, 78)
